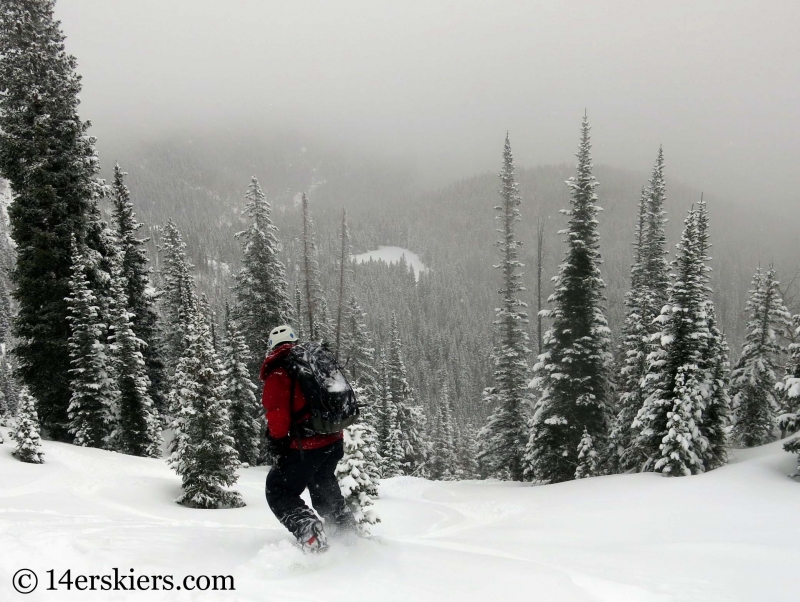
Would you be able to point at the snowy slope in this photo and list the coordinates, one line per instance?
(726, 536)
(393, 255)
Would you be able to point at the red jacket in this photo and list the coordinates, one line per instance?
(275, 399)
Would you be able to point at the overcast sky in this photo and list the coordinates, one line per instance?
(716, 82)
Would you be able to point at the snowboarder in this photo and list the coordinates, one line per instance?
(303, 458)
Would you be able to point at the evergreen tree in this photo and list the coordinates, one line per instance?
(138, 428)
(753, 380)
(49, 159)
(91, 377)
(356, 478)
(444, 461)
(789, 420)
(28, 446)
(261, 288)
(178, 297)
(633, 352)
(668, 423)
(203, 450)
(246, 413)
(408, 420)
(573, 373)
(587, 457)
(716, 366)
(468, 454)
(648, 294)
(344, 263)
(357, 357)
(8, 385)
(138, 290)
(502, 440)
(389, 445)
(315, 307)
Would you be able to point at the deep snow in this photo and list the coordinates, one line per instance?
(726, 536)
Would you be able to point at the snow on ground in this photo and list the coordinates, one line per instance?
(393, 255)
(729, 535)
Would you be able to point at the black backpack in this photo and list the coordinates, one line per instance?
(330, 400)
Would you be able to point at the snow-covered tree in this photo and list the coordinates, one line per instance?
(715, 364)
(344, 270)
(676, 383)
(389, 446)
(357, 478)
(647, 295)
(357, 358)
(574, 372)
(444, 460)
(246, 413)
(468, 467)
(502, 440)
(91, 375)
(203, 450)
(28, 443)
(137, 428)
(789, 420)
(141, 297)
(8, 385)
(315, 308)
(587, 458)
(49, 160)
(262, 297)
(178, 297)
(409, 421)
(754, 378)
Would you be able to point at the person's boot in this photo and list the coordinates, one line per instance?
(312, 538)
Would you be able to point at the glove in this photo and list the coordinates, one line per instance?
(278, 448)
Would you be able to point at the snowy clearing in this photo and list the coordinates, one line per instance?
(393, 255)
(729, 535)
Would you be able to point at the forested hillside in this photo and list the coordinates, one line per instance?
(446, 318)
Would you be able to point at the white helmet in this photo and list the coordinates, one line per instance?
(281, 334)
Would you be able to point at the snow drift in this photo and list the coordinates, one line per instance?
(724, 536)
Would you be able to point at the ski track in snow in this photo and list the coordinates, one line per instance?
(730, 535)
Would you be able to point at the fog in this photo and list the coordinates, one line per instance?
(438, 83)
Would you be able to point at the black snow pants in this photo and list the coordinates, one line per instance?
(314, 469)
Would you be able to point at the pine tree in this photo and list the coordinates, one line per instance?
(789, 420)
(315, 307)
(715, 364)
(574, 372)
(389, 446)
(178, 297)
(344, 263)
(668, 423)
(246, 413)
(203, 450)
(91, 377)
(50, 161)
(28, 447)
(502, 440)
(444, 461)
(633, 351)
(587, 458)
(753, 380)
(357, 357)
(468, 454)
(356, 478)
(138, 428)
(8, 385)
(408, 420)
(261, 288)
(140, 295)
(648, 294)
